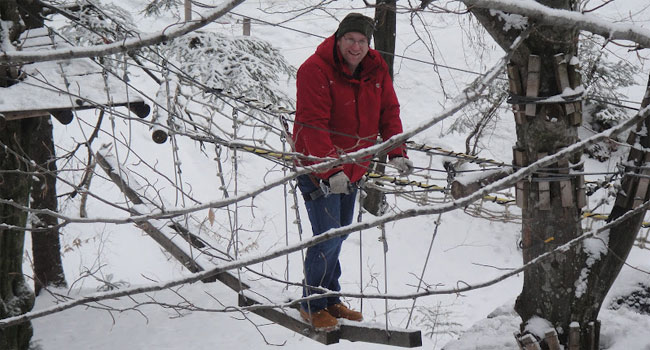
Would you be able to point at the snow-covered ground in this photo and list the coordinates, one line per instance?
(467, 250)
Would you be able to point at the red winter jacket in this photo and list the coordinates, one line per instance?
(336, 113)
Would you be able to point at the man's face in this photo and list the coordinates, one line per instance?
(353, 47)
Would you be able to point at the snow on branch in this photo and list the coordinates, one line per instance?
(122, 46)
(564, 18)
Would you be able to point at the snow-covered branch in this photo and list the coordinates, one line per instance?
(122, 46)
(564, 18)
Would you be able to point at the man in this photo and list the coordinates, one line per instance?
(345, 99)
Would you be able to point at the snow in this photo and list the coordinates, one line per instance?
(538, 326)
(594, 247)
(511, 21)
(467, 250)
(63, 84)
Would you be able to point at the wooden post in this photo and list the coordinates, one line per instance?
(188, 10)
(642, 186)
(574, 336)
(562, 78)
(581, 191)
(247, 26)
(514, 81)
(544, 188)
(532, 86)
(518, 340)
(519, 159)
(594, 338)
(551, 339)
(530, 343)
(575, 80)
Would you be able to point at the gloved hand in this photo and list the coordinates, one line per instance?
(339, 183)
(402, 164)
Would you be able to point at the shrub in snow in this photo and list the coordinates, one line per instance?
(638, 300)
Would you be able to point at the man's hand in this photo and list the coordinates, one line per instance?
(339, 183)
(403, 165)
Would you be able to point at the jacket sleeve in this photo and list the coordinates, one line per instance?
(390, 123)
(313, 112)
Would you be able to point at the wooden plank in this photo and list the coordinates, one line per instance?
(519, 157)
(516, 88)
(530, 343)
(641, 192)
(533, 79)
(518, 340)
(581, 191)
(566, 193)
(521, 187)
(138, 107)
(574, 336)
(595, 345)
(155, 232)
(544, 189)
(562, 79)
(351, 331)
(292, 322)
(520, 194)
(575, 79)
(551, 339)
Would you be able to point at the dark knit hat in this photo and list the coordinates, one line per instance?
(356, 22)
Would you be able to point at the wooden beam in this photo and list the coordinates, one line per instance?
(575, 80)
(290, 319)
(574, 336)
(532, 86)
(140, 108)
(156, 231)
(521, 187)
(530, 343)
(562, 79)
(514, 82)
(349, 330)
(460, 189)
(551, 339)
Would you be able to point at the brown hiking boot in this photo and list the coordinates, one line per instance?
(321, 320)
(341, 311)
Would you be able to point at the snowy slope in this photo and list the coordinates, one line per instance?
(466, 250)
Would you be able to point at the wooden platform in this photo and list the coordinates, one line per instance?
(187, 248)
(352, 331)
(62, 86)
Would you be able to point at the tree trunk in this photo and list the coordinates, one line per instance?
(46, 248)
(621, 238)
(15, 295)
(549, 288)
(385, 31)
(570, 286)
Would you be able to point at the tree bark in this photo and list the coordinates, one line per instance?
(15, 295)
(385, 31)
(558, 289)
(46, 248)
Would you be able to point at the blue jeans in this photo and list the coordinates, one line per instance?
(322, 267)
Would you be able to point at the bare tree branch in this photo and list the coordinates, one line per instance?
(123, 46)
